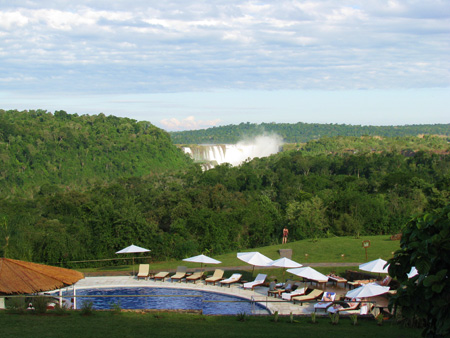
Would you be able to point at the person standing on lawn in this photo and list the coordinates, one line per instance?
(285, 235)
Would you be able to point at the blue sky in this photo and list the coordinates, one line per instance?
(188, 65)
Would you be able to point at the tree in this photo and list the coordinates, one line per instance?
(425, 244)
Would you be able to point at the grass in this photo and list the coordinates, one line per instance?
(324, 250)
(134, 324)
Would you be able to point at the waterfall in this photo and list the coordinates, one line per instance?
(210, 155)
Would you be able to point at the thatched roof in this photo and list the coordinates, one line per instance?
(19, 277)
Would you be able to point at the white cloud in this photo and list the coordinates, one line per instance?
(171, 46)
(189, 123)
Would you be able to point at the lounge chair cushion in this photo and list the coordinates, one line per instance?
(259, 280)
(233, 279)
(297, 292)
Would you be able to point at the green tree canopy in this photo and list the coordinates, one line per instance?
(425, 244)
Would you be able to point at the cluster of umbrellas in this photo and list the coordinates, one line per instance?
(56, 277)
(258, 259)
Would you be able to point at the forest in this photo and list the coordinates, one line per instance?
(177, 210)
(301, 132)
(43, 151)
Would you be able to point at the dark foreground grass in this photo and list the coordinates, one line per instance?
(146, 324)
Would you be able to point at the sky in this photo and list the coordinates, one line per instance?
(196, 64)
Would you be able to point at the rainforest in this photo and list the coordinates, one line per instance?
(82, 187)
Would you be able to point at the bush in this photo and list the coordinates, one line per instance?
(242, 317)
(16, 305)
(87, 308)
(40, 304)
(334, 318)
(115, 307)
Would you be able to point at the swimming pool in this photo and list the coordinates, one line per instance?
(210, 303)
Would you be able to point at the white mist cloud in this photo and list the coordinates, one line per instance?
(188, 123)
(260, 146)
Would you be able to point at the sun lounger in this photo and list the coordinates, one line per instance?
(195, 276)
(326, 301)
(179, 275)
(235, 277)
(314, 294)
(346, 307)
(161, 275)
(297, 292)
(259, 280)
(359, 282)
(216, 277)
(337, 279)
(385, 281)
(144, 271)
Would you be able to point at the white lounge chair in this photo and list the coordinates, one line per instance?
(326, 301)
(235, 277)
(259, 280)
(352, 305)
(297, 292)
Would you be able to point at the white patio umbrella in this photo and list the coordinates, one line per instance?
(202, 259)
(309, 273)
(367, 290)
(376, 266)
(413, 272)
(254, 258)
(285, 263)
(132, 249)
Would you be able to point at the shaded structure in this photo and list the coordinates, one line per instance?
(20, 277)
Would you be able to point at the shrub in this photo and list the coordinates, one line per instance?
(379, 319)
(334, 318)
(354, 319)
(40, 304)
(60, 310)
(275, 317)
(242, 317)
(87, 308)
(16, 305)
(313, 318)
(115, 307)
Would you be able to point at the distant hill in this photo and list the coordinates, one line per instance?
(301, 132)
(41, 151)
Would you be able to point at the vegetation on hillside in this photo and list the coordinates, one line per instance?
(42, 152)
(83, 187)
(301, 132)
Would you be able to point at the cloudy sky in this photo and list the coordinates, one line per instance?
(196, 64)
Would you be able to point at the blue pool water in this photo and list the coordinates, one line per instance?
(209, 302)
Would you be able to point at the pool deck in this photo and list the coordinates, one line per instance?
(259, 294)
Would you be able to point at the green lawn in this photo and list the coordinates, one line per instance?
(324, 250)
(135, 324)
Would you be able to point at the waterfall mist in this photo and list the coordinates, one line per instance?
(235, 154)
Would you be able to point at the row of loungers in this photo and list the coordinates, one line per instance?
(327, 301)
(181, 273)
